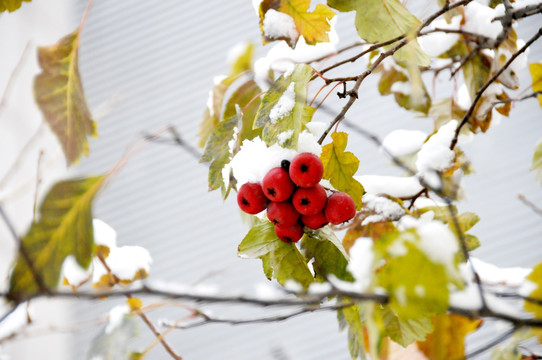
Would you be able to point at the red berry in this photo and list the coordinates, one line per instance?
(289, 233)
(316, 221)
(282, 213)
(310, 201)
(340, 208)
(277, 185)
(251, 198)
(306, 170)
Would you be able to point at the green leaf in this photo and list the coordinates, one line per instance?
(114, 343)
(417, 286)
(405, 331)
(381, 20)
(64, 228)
(244, 61)
(446, 109)
(536, 162)
(314, 26)
(410, 92)
(328, 254)
(246, 93)
(60, 97)
(340, 167)
(475, 73)
(11, 5)
(350, 318)
(536, 74)
(299, 113)
(280, 260)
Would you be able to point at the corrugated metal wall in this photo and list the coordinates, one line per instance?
(156, 61)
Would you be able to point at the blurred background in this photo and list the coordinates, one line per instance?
(147, 65)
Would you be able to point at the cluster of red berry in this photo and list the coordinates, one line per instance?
(294, 198)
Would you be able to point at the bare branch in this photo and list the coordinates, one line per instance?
(491, 344)
(533, 207)
(524, 12)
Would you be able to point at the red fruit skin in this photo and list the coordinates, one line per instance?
(306, 170)
(340, 208)
(316, 221)
(251, 198)
(277, 185)
(282, 213)
(310, 201)
(289, 234)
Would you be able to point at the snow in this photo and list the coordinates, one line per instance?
(116, 315)
(527, 288)
(254, 160)
(437, 43)
(469, 299)
(361, 263)
(435, 154)
(316, 128)
(284, 106)
(402, 142)
(73, 273)
(16, 320)
(400, 187)
(384, 208)
(307, 142)
(236, 52)
(278, 25)
(478, 19)
(125, 262)
(266, 291)
(104, 234)
(491, 274)
(284, 136)
(402, 87)
(319, 288)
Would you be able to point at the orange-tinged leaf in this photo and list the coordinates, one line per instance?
(340, 167)
(448, 339)
(64, 228)
(314, 26)
(59, 94)
(536, 73)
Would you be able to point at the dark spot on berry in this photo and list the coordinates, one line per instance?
(275, 221)
(288, 239)
(305, 201)
(304, 168)
(245, 202)
(271, 191)
(285, 164)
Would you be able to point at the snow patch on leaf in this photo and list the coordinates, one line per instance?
(399, 187)
(277, 25)
(361, 263)
(435, 154)
(284, 106)
(382, 208)
(402, 142)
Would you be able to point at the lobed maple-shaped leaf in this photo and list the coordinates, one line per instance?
(11, 5)
(447, 341)
(280, 260)
(350, 318)
(340, 167)
(64, 228)
(314, 26)
(404, 331)
(60, 97)
(373, 230)
(380, 20)
(418, 287)
(291, 89)
(328, 253)
(536, 74)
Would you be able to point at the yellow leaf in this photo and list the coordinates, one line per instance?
(59, 94)
(448, 339)
(134, 303)
(10, 5)
(340, 167)
(314, 26)
(536, 73)
(536, 278)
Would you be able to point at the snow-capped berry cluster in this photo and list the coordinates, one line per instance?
(294, 198)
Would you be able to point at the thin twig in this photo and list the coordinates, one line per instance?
(491, 344)
(13, 77)
(533, 207)
(526, 11)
